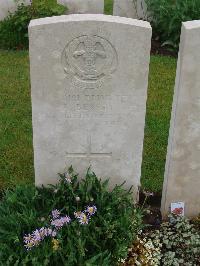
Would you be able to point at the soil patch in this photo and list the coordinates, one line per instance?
(158, 49)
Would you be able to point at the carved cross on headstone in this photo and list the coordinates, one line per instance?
(89, 154)
(90, 53)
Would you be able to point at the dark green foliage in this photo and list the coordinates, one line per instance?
(14, 28)
(102, 242)
(167, 18)
(196, 222)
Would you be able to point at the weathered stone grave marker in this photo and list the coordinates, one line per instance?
(89, 77)
(182, 173)
(7, 6)
(130, 8)
(89, 153)
(83, 6)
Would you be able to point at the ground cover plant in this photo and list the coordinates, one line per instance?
(71, 223)
(180, 241)
(175, 243)
(16, 160)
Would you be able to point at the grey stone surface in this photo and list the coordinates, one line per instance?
(7, 6)
(89, 77)
(130, 8)
(83, 6)
(182, 173)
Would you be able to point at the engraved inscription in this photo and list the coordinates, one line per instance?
(98, 106)
(85, 85)
(89, 58)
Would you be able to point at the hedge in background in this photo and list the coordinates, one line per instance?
(14, 28)
(167, 17)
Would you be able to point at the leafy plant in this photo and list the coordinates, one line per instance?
(167, 16)
(31, 234)
(144, 251)
(175, 243)
(196, 222)
(14, 28)
(180, 242)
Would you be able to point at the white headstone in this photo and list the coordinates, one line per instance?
(89, 77)
(7, 6)
(142, 12)
(130, 8)
(182, 173)
(83, 6)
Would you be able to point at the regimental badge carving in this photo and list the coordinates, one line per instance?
(89, 58)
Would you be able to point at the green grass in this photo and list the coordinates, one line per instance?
(108, 4)
(160, 93)
(16, 152)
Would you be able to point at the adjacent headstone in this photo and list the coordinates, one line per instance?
(7, 6)
(130, 8)
(182, 173)
(89, 77)
(142, 11)
(83, 6)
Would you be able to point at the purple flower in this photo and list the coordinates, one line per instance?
(66, 219)
(50, 232)
(38, 234)
(91, 210)
(60, 222)
(27, 238)
(55, 214)
(34, 239)
(83, 218)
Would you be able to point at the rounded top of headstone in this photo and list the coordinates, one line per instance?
(89, 17)
(191, 24)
